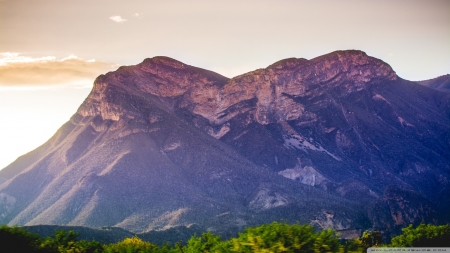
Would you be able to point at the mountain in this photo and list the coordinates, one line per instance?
(337, 141)
(441, 83)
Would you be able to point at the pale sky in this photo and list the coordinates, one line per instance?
(52, 50)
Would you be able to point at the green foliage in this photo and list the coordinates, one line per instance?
(326, 241)
(83, 246)
(280, 237)
(423, 236)
(132, 245)
(207, 242)
(269, 238)
(60, 240)
(369, 239)
(349, 246)
(15, 239)
(65, 242)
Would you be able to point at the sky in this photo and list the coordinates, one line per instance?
(51, 51)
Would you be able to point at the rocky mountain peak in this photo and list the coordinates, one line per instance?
(159, 76)
(353, 65)
(287, 63)
(270, 95)
(279, 87)
(165, 61)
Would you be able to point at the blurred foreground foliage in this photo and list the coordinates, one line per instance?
(268, 238)
(423, 236)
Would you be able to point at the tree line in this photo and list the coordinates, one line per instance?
(268, 238)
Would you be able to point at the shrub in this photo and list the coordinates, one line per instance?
(15, 239)
(279, 237)
(423, 236)
(206, 243)
(131, 245)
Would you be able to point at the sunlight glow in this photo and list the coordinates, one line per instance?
(29, 117)
(38, 95)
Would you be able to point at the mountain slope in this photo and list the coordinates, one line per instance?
(162, 144)
(441, 83)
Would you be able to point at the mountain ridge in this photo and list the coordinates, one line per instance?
(441, 83)
(189, 146)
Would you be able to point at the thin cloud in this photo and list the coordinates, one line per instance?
(18, 71)
(8, 58)
(117, 19)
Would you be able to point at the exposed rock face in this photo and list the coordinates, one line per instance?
(162, 144)
(218, 99)
(306, 175)
(162, 77)
(398, 208)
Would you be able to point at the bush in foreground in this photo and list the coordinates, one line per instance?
(279, 237)
(423, 236)
(16, 239)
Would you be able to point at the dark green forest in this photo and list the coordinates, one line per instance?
(268, 238)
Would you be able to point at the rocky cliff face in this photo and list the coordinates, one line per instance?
(398, 208)
(215, 98)
(162, 144)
